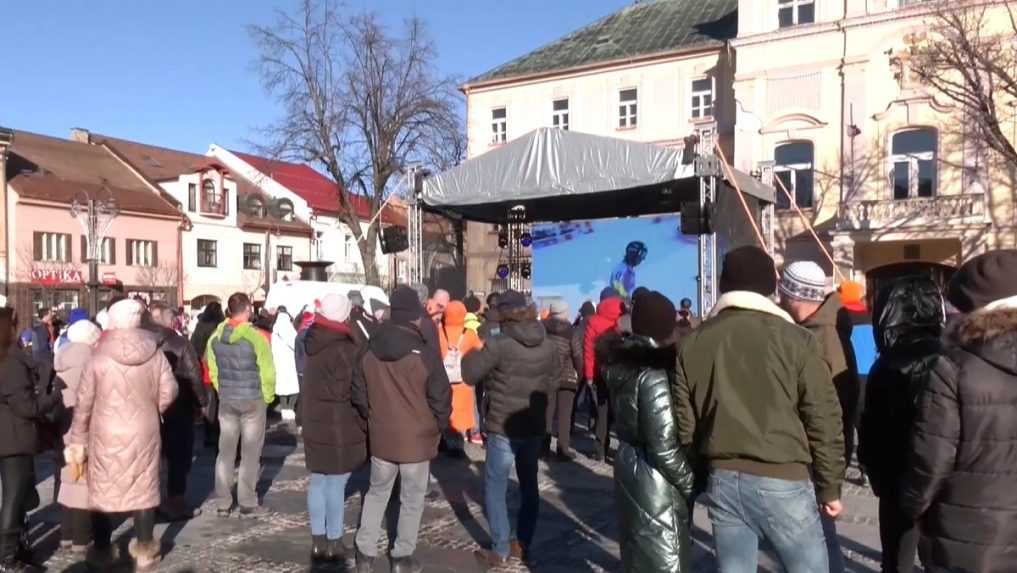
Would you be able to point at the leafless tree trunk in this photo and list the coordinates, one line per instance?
(360, 103)
(969, 57)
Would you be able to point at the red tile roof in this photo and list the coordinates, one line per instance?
(55, 169)
(319, 191)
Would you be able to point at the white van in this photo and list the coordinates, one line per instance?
(301, 296)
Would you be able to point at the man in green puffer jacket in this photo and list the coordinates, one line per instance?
(755, 401)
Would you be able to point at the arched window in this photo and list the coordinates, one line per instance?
(913, 163)
(793, 165)
(211, 198)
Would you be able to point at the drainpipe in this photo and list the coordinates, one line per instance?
(6, 140)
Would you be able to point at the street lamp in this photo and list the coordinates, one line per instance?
(96, 216)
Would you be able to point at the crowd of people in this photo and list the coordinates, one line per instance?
(752, 411)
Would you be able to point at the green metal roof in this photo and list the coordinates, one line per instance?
(642, 29)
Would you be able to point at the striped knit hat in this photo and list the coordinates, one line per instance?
(804, 280)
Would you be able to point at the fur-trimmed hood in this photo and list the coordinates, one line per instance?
(991, 335)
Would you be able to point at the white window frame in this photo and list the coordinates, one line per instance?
(792, 170)
(795, 6)
(701, 109)
(55, 248)
(279, 251)
(106, 251)
(560, 117)
(258, 262)
(912, 160)
(348, 248)
(142, 253)
(499, 126)
(628, 110)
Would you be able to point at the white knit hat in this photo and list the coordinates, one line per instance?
(335, 307)
(84, 331)
(125, 314)
(804, 280)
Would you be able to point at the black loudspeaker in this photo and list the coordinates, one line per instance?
(394, 239)
(697, 219)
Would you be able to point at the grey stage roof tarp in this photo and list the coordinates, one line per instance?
(564, 175)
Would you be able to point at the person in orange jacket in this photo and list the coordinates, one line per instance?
(456, 341)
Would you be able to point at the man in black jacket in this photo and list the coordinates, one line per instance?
(178, 421)
(959, 483)
(520, 368)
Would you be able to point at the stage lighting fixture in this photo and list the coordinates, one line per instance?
(526, 239)
(503, 238)
(503, 271)
(526, 271)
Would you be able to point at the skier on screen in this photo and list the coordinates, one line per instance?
(623, 279)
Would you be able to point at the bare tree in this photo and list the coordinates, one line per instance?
(360, 103)
(969, 57)
(164, 275)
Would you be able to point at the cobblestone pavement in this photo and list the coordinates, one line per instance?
(577, 529)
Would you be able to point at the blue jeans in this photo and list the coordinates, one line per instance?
(326, 498)
(501, 454)
(744, 508)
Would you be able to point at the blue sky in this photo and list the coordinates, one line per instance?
(178, 73)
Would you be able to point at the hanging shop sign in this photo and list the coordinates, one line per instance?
(54, 277)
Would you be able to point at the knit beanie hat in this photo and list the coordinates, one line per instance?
(335, 307)
(984, 279)
(748, 268)
(804, 280)
(76, 315)
(455, 314)
(406, 305)
(84, 331)
(607, 293)
(653, 315)
(125, 314)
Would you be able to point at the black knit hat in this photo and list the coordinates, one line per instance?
(511, 300)
(406, 305)
(653, 315)
(984, 279)
(748, 268)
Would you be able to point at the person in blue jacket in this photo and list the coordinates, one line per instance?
(623, 278)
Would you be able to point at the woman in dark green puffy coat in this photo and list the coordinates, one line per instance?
(653, 480)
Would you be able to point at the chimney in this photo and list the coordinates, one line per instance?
(81, 135)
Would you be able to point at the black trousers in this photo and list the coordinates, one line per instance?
(212, 421)
(17, 474)
(561, 405)
(898, 536)
(76, 526)
(605, 417)
(103, 527)
(178, 449)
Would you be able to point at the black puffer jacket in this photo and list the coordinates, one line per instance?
(21, 406)
(559, 333)
(960, 482)
(335, 434)
(908, 321)
(653, 479)
(186, 369)
(519, 368)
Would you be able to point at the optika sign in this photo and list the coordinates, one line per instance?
(51, 277)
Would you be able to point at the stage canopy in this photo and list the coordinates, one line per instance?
(560, 175)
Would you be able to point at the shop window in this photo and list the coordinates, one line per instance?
(628, 101)
(795, 12)
(793, 165)
(702, 98)
(252, 256)
(207, 253)
(913, 163)
(284, 258)
(560, 113)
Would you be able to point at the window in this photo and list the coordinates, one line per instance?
(51, 247)
(142, 253)
(560, 113)
(913, 163)
(252, 256)
(284, 258)
(348, 248)
(192, 196)
(795, 12)
(702, 98)
(206, 253)
(793, 166)
(211, 198)
(627, 116)
(107, 251)
(499, 125)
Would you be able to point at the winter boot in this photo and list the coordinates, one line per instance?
(102, 559)
(336, 550)
(319, 549)
(365, 564)
(146, 555)
(406, 565)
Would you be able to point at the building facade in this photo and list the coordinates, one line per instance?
(47, 266)
(653, 72)
(237, 238)
(884, 170)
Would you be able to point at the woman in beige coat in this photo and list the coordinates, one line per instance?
(75, 529)
(115, 432)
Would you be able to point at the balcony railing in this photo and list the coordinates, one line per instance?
(943, 211)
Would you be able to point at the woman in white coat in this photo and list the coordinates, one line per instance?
(287, 387)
